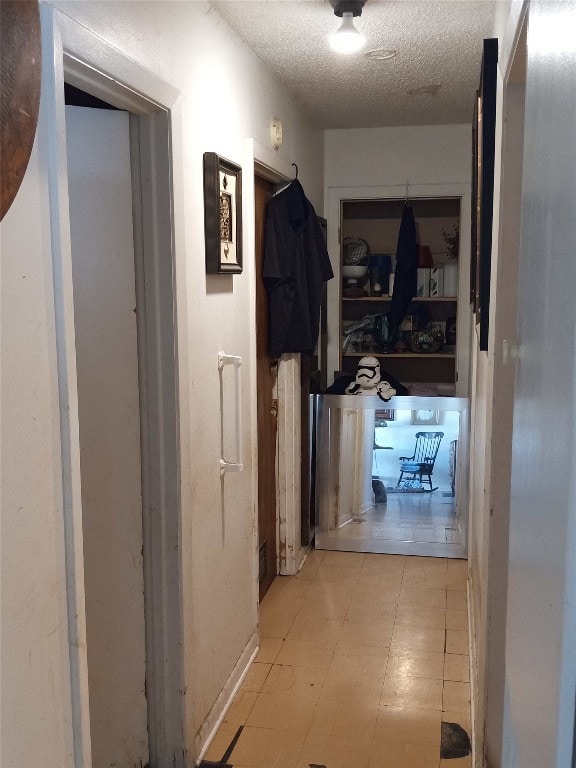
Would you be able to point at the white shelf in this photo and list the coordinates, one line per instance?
(387, 298)
(420, 355)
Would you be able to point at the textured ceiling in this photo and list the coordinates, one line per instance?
(439, 43)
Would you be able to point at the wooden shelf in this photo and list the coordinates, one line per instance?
(429, 355)
(453, 299)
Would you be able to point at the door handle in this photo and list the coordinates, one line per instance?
(225, 464)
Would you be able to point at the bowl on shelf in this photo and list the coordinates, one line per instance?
(426, 341)
(354, 278)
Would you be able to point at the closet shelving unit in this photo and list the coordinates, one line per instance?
(378, 222)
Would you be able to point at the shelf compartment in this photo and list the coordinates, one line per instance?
(407, 366)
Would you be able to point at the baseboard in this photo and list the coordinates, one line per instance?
(304, 552)
(222, 704)
(368, 506)
(473, 678)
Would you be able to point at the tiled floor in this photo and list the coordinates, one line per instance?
(362, 656)
(424, 517)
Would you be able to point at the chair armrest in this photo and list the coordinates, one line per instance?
(405, 458)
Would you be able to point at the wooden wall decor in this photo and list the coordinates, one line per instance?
(222, 215)
(20, 75)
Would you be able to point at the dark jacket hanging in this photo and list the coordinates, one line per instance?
(406, 277)
(296, 263)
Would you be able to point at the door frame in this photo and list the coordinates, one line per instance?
(71, 52)
(291, 554)
(267, 399)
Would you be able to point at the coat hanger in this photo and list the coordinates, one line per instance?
(285, 185)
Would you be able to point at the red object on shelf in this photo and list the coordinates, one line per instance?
(425, 256)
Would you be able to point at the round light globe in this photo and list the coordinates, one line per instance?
(347, 39)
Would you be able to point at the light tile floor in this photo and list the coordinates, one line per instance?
(362, 656)
(425, 517)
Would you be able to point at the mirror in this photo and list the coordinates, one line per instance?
(392, 477)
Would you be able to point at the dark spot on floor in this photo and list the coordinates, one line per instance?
(454, 742)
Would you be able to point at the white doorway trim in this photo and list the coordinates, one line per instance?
(72, 52)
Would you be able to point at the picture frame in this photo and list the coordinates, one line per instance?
(222, 215)
(385, 414)
(425, 418)
(476, 165)
(483, 154)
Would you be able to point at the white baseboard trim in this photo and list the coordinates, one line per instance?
(368, 506)
(305, 551)
(473, 677)
(222, 704)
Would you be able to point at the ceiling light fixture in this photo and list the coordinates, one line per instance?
(381, 54)
(347, 39)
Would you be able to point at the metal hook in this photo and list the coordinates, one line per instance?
(295, 166)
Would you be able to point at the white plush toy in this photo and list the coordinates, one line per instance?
(368, 381)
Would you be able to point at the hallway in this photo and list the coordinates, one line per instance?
(361, 659)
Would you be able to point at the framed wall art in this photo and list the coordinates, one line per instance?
(222, 215)
(483, 149)
(425, 418)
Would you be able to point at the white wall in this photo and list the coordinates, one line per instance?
(522, 544)
(427, 154)
(541, 626)
(492, 392)
(491, 624)
(226, 98)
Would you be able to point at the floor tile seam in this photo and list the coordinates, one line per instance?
(301, 751)
(291, 623)
(436, 710)
(373, 729)
(408, 743)
(328, 668)
(249, 711)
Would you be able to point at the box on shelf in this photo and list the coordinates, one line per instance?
(423, 283)
(451, 279)
(436, 282)
(408, 323)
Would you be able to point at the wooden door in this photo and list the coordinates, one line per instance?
(267, 407)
